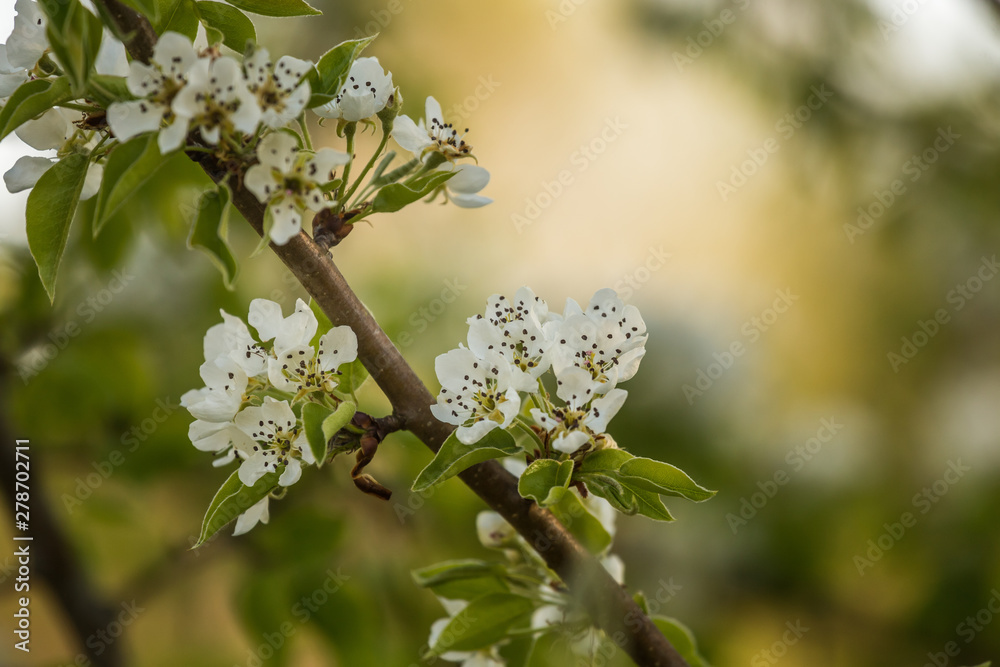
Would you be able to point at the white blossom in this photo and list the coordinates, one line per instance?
(462, 188)
(53, 130)
(476, 393)
(232, 339)
(301, 367)
(607, 339)
(223, 393)
(365, 92)
(513, 328)
(216, 100)
(259, 513)
(11, 77)
(156, 85)
(276, 86)
(278, 440)
(289, 181)
(493, 530)
(296, 329)
(586, 413)
(431, 134)
(27, 43)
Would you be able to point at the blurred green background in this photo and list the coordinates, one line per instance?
(705, 159)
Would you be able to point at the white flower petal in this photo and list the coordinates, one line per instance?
(134, 117)
(173, 136)
(569, 442)
(259, 513)
(292, 473)
(26, 172)
(50, 130)
(287, 221)
(111, 58)
(337, 346)
(409, 136)
(92, 182)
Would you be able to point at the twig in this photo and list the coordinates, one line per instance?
(609, 605)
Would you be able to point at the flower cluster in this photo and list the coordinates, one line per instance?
(515, 342)
(250, 406)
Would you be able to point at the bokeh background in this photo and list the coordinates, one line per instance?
(816, 183)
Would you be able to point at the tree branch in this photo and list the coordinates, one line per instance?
(608, 604)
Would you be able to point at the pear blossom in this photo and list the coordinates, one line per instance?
(366, 91)
(513, 329)
(216, 100)
(232, 339)
(53, 130)
(11, 77)
(276, 86)
(431, 134)
(585, 415)
(301, 367)
(28, 42)
(493, 530)
(221, 397)
(476, 393)
(278, 440)
(222, 438)
(607, 339)
(156, 84)
(462, 188)
(259, 513)
(286, 332)
(289, 181)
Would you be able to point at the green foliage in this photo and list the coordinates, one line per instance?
(232, 499)
(209, 232)
(331, 71)
(682, 639)
(584, 526)
(50, 210)
(393, 197)
(177, 16)
(105, 89)
(483, 622)
(235, 28)
(280, 8)
(128, 167)
(542, 648)
(634, 485)
(31, 99)
(463, 579)
(74, 35)
(454, 457)
(322, 423)
(546, 481)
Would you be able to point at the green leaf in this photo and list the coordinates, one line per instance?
(105, 89)
(128, 167)
(331, 71)
(463, 579)
(663, 478)
(648, 503)
(276, 7)
(232, 500)
(454, 457)
(584, 526)
(483, 622)
(324, 322)
(393, 197)
(50, 210)
(340, 418)
(604, 461)
(31, 99)
(543, 650)
(177, 16)
(610, 489)
(74, 35)
(682, 639)
(545, 481)
(313, 416)
(352, 376)
(147, 8)
(208, 232)
(236, 28)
